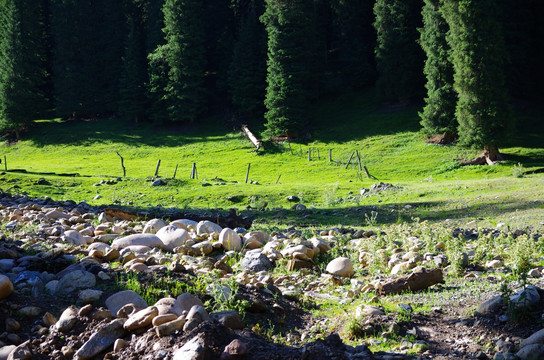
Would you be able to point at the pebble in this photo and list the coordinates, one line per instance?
(6, 287)
(141, 319)
(116, 301)
(67, 319)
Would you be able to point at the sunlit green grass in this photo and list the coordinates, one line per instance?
(388, 142)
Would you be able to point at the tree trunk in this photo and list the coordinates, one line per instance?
(491, 152)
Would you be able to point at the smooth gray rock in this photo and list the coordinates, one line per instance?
(74, 237)
(101, 340)
(149, 240)
(531, 352)
(67, 319)
(75, 280)
(196, 315)
(88, 296)
(255, 260)
(172, 236)
(526, 298)
(169, 306)
(116, 301)
(229, 318)
(230, 240)
(153, 226)
(535, 338)
(5, 351)
(491, 306)
(187, 301)
(207, 227)
(194, 349)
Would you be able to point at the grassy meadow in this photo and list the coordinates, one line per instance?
(429, 182)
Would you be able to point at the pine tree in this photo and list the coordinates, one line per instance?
(134, 76)
(438, 115)
(478, 55)
(291, 54)
(399, 59)
(186, 59)
(353, 43)
(22, 68)
(247, 72)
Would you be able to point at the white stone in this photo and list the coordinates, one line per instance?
(154, 225)
(207, 227)
(149, 240)
(172, 236)
(230, 240)
(341, 266)
(122, 298)
(185, 224)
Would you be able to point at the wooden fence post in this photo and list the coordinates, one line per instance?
(157, 169)
(5, 163)
(349, 161)
(247, 173)
(309, 154)
(175, 171)
(122, 165)
(330, 155)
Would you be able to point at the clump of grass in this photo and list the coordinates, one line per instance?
(518, 171)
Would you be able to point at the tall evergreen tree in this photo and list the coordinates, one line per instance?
(353, 43)
(291, 53)
(399, 59)
(134, 76)
(22, 67)
(247, 72)
(478, 56)
(438, 115)
(186, 58)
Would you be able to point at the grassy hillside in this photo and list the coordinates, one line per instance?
(428, 177)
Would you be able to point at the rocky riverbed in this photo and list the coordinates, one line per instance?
(75, 283)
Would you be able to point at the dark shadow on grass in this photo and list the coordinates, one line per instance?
(118, 130)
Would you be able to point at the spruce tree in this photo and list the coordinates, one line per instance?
(399, 59)
(478, 55)
(291, 54)
(438, 115)
(247, 72)
(352, 45)
(22, 68)
(186, 59)
(134, 76)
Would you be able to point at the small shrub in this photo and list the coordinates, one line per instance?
(518, 171)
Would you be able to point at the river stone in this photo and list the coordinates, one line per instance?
(526, 298)
(255, 260)
(169, 305)
(21, 352)
(149, 240)
(55, 214)
(141, 319)
(29, 311)
(153, 226)
(6, 287)
(207, 227)
(252, 238)
(531, 352)
(196, 315)
(194, 349)
(74, 280)
(187, 301)
(135, 249)
(116, 301)
(6, 265)
(88, 296)
(535, 338)
(102, 339)
(99, 246)
(67, 319)
(172, 236)
(169, 327)
(321, 244)
(5, 351)
(185, 224)
(202, 248)
(230, 240)
(341, 266)
(491, 306)
(163, 319)
(74, 237)
(229, 318)
(235, 348)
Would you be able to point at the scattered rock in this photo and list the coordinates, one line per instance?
(67, 319)
(149, 240)
(74, 280)
(255, 260)
(207, 227)
(230, 240)
(341, 266)
(116, 301)
(102, 339)
(6, 287)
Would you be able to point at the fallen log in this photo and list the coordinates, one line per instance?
(256, 142)
(418, 280)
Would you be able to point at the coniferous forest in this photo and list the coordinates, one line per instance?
(468, 62)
